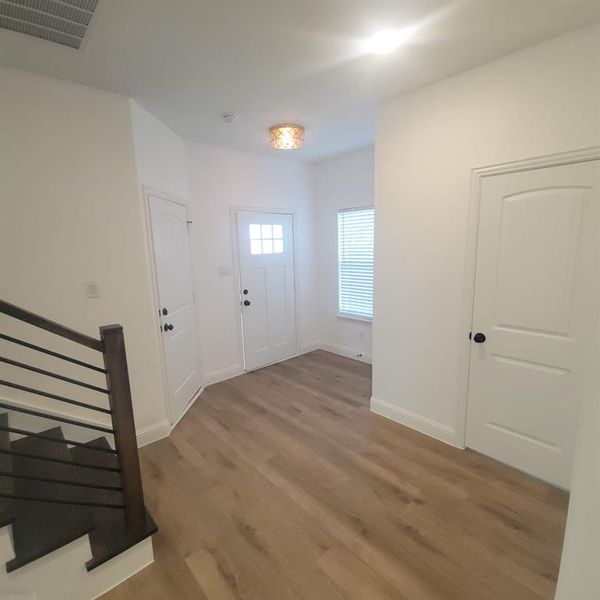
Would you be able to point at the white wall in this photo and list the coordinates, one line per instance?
(212, 179)
(579, 573)
(579, 577)
(220, 178)
(160, 154)
(342, 182)
(71, 212)
(542, 100)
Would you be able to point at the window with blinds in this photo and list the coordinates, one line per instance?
(355, 262)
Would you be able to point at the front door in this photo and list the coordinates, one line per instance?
(179, 329)
(267, 292)
(533, 315)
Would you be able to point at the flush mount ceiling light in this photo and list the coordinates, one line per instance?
(387, 40)
(287, 136)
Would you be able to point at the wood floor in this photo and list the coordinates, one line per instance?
(280, 485)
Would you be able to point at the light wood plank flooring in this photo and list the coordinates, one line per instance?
(281, 485)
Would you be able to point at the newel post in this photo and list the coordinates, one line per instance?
(115, 363)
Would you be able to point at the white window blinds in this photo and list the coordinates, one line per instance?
(355, 262)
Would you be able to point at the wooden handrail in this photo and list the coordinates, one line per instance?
(115, 363)
(33, 319)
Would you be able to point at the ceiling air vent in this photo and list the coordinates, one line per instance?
(63, 22)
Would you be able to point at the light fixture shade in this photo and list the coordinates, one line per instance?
(287, 136)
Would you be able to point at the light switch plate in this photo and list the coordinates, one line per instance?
(91, 289)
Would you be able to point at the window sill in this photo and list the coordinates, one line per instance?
(352, 317)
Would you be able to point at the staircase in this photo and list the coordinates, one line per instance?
(56, 489)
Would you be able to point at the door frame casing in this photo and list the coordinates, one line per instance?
(477, 176)
(233, 210)
(146, 193)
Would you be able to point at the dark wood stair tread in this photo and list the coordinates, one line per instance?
(39, 527)
(110, 536)
(42, 527)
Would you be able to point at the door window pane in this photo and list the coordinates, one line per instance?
(266, 239)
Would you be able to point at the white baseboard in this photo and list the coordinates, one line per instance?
(222, 374)
(309, 347)
(347, 351)
(439, 431)
(153, 433)
(336, 349)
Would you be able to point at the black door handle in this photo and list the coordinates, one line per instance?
(479, 338)
(246, 302)
(168, 327)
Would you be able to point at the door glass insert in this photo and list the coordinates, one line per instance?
(266, 239)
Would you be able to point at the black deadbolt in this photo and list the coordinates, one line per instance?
(479, 338)
(165, 311)
(246, 302)
(244, 292)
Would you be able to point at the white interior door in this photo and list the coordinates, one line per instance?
(534, 305)
(266, 259)
(177, 311)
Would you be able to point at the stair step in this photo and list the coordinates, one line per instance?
(40, 528)
(110, 536)
(7, 506)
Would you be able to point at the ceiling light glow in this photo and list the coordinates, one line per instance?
(387, 40)
(287, 136)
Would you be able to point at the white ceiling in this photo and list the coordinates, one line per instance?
(188, 61)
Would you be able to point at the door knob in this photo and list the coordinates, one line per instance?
(246, 302)
(479, 338)
(168, 327)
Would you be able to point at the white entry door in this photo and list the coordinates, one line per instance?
(533, 315)
(177, 311)
(267, 294)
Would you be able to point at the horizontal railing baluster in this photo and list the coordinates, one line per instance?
(55, 501)
(58, 440)
(24, 388)
(70, 359)
(25, 315)
(38, 413)
(16, 363)
(113, 488)
(59, 460)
